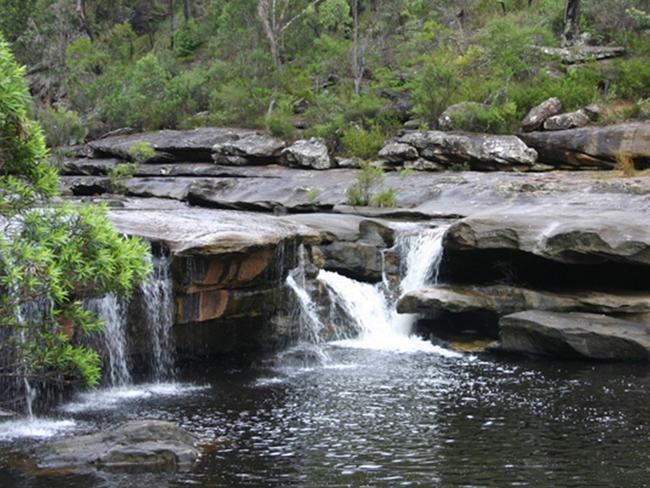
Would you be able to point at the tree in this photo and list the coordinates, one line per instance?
(52, 256)
(276, 17)
(571, 22)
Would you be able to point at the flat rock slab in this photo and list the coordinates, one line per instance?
(580, 335)
(592, 147)
(506, 300)
(195, 231)
(178, 145)
(137, 444)
(578, 238)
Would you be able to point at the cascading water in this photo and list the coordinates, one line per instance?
(157, 294)
(371, 307)
(113, 312)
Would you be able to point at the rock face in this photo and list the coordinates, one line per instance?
(582, 335)
(538, 115)
(507, 299)
(570, 120)
(592, 147)
(177, 145)
(483, 152)
(396, 152)
(137, 444)
(577, 239)
(312, 153)
(247, 149)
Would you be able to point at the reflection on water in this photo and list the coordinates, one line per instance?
(377, 418)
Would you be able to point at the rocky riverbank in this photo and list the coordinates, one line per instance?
(237, 209)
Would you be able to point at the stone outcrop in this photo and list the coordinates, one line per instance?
(566, 238)
(569, 120)
(175, 145)
(592, 147)
(247, 149)
(583, 54)
(507, 299)
(538, 115)
(312, 153)
(396, 152)
(151, 444)
(483, 152)
(580, 335)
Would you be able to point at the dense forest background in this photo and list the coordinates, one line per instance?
(350, 71)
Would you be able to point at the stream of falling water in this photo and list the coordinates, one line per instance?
(371, 308)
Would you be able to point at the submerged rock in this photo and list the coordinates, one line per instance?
(582, 335)
(141, 444)
(538, 115)
(311, 153)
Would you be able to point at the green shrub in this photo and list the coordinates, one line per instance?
(188, 38)
(141, 152)
(62, 127)
(240, 101)
(631, 79)
(368, 189)
(280, 125)
(435, 87)
(386, 198)
(362, 143)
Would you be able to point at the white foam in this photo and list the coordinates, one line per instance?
(109, 398)
(34, 428)
(397, 343)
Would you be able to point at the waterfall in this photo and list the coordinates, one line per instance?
(372, 307)
(113, 312)
(158, 298)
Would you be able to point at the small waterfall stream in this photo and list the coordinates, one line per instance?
(371, 308)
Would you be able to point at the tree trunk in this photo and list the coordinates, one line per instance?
(186, 10)
(171, 19)
(357, 65)
(81, 13)
(571, 22)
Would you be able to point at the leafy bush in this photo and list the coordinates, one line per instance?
(367, 189)
(141, 152)
(435, 86)
(362, 143)
(188, 38)
(280, 125)
(62, 127)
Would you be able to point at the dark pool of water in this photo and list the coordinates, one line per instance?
(373, 418)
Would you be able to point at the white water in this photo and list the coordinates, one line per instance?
(158, 298)
(379, 325)
(309, 324)
(34, 428)
(112, 311)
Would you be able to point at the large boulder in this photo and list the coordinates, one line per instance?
(538, 115)
(177, 145)
(569, 120)
(150, 444)
(395, 152)
(311, 153)
(479, 151)
(592, 147)
(581, 335)
(249, 149)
